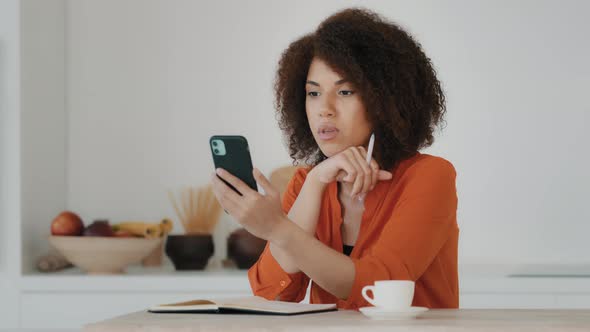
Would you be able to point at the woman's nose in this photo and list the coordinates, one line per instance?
(326, 112)
(327, 109)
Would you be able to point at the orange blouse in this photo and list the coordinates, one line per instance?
(408, 232)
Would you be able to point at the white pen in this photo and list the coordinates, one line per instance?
(369, 156)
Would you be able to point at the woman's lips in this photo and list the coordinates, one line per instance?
(327, 133)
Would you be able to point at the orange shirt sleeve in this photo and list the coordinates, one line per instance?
(415, 231)
(267, 278)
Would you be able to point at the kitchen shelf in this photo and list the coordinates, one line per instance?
(138, 279)
(473, 278)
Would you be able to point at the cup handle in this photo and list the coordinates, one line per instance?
(364, 293)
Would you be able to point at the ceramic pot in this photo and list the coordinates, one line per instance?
(189, 252)
(244, 248)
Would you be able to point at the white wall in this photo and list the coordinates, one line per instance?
(516, 75)
(9, 162)
(149, 81)
(43, 121)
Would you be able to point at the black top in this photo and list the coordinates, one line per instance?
(347, 249)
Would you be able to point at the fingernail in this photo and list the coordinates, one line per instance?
(218, 171)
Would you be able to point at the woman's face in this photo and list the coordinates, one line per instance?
(335, 112)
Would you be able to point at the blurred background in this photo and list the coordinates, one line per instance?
(107, 105)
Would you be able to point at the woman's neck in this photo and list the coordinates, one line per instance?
(352, 214)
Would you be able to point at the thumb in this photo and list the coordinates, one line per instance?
(263, 182)
(384, 175)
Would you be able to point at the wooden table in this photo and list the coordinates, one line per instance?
(349, 320)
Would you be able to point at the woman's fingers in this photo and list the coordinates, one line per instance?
(360, 154)
(264, 183)
(374, 173)
(359, 173)
(384, 175)
(227, 197)
(346, 165)
(341, 176)
(354, 169)
(234, 181)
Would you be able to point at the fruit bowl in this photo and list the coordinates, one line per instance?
(103, 255)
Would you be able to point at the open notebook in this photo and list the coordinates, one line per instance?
(248, 305)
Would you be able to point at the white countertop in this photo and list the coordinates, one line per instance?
(473, 278)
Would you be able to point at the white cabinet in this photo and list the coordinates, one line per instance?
(73, 310)
(507, 301)
(72, 299)
(525, 301)
(581, 301)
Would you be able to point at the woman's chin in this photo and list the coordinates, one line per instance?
(330, 150)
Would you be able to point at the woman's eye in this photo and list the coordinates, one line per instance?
(313, 93)
(345, 92)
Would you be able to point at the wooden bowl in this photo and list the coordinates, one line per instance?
(103, 255)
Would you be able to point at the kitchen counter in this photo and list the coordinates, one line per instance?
(349, 320)
(52, 300)
(473, 278)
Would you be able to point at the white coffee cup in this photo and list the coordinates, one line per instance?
(390, 294)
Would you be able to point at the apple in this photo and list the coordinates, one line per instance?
(99, 228)
(67, 223)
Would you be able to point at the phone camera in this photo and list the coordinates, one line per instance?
(218, 147)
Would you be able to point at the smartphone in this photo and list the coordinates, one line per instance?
(233, 154)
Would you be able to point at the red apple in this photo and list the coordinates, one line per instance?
(67, 223)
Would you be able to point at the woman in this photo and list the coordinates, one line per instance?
(345, 223)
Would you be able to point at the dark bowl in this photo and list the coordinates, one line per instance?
(189, 252)
(244, 248)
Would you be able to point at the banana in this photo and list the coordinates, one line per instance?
(140, 228)
(165, 226)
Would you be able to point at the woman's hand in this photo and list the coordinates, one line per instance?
(350, 166)
(261, 215)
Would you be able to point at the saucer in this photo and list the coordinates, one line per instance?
(392, 314)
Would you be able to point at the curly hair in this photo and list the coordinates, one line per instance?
(395, 79)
